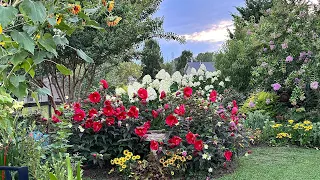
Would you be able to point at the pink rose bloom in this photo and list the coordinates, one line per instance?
(314, 85)
(289, 59)
(276, 86)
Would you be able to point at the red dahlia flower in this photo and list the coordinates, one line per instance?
(155, 114)
(88, 123)
(93, 112)
(76, 105)
(191, 138)
(181, 110)
(143, 93)
(154, 145)
(174, 141)
(162, 95)
(133, 112)
(57, 112)
(198, 145)
(187, 91)
(213, 96)
(107, 103)
(79, 115)
(140, 131)
(94, 97)
(147, 125)
(121, 115)
(171, 120)
(97, 125)
(108, 111)
(110, 121)
(104, 84)
(55, 119)
(228, 155)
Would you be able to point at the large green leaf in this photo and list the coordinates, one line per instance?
(15, 80)
(20, 91)
(7, 15)
(35, 97)
(52, 176)
(28, 67)
(69, 168)
(34, 10)
(60, 40)
(3, 67)
(18, 58)
(39, 57)
(48, 43)
(30, 29)
(84, 56)
(64, 70)
(44, 91)
(24, 40)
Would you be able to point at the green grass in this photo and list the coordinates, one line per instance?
(278, 163)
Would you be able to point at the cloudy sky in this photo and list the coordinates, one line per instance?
(204, 23)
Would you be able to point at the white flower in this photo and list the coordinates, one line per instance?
(201, 78)
(17, 104)
(80, 128)
(108, 97)
(214, 79)
(204, 156)
(146, 79)
(221, 83)
(152, 94)
(131, 90)
(184, 82)
(161, 74)
(120, 91)
(209, 75)
(203, 67)
(200, 72)
(227, 79)
(155, 84)
(193, 71)
(207, 87)
(209, 158)
(177, 77)
(218, 73)
(137, 86)
(206, 146)
(165, 86)
(167, 76)
(210, 170)
(219, 124)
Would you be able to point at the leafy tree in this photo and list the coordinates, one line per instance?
(183, 59)
(119, 75)
(205, 57)
(151, 58)
(169, 67)
(254, 9)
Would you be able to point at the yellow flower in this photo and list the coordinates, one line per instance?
(296, 126)
(307, 122)
(124, 166)
(125, 152)
(276, 125)
(127, 158)
(161, 160)
(172, 173)
(188, 157)
(112, 162)
(137, 156)
(178, 166)
(290, 121)
(170, 161)
(133, 157)
(1, 30)
(139, 162)
(110, 5)
(2, 44)
(17, 105)
(282, 135)
(38, 36)
(122, 159)
(165, 164)
(59, 18)
(75, 9)
(307, 128)
(130, 154)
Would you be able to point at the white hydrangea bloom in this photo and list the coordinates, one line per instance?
(155, 84)
(146, 79)
(131, 90)
(152, 94)
(209, 75)
(200, 71)
(203, 67)
(211, 86)
(201, 78)
(164, 86)
(177, 77)
(120, 91)
(207, 87)
(221, 83)
(227, 79)
(193, 71)
(161, 74)
(137, 86)
(196, 84)
(214, 79)
(167, 76)
(184, 82)
(218, 73)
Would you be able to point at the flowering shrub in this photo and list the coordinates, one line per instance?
(196, 125)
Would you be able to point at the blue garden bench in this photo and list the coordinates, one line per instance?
(22, 172)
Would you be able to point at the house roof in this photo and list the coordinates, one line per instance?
(196, 65)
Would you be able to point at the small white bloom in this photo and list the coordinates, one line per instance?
(221, 83)
(209, 158)
(152, 94)
(219, 124)
(206, 146)
(201, 78)
(214, 79)
(80, 128)
(204, 156)
(210, 170)
(155, 84)
(120, 91)
(162, 74)
(177, 77)
(207, 87)
(203, 67)
(146, 79)
(227, 79)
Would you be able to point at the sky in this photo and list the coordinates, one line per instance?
(204, 24)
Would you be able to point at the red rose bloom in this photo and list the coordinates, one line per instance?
(155, 114)
(162, 95)
(166, 106)
(93, 112)
(79, 115)
(104, 84)
(133, 112)
(191, 138)
(174, 141)
(234, 102)
(55, 119)
(94, 97)
(228, 155)
(147, 125)
(181, 110)
(108, 111)
(121, 116)
(187, 91)
(198, 145)
(57, 112)
(143, 93)
(88, 123)
(110, 121)
(213, 96)
(234, 110)
(76, 105)
(107, 103)
(96, 126)
(154, 145)
(171, 120)
(140, 131)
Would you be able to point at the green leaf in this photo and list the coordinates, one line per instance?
(39, 57)
(84, 56)
(52, 176)
(44, 91)
(35, 97)
(59, 40)
(52, 21)
(48, 43)
(27, 66)
(64, 70)
(24, 40)
(79, 171)
(20, 91)
(69, 168)
(65, 27)
(29, 29)
(3, 67)
(18, 58)
(34, 10)
(15, 80)
(7, 14)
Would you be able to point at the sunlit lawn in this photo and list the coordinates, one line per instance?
(278, 163)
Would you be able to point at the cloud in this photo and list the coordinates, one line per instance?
(216, 33)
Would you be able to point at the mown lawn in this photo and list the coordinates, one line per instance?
(278, 163)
